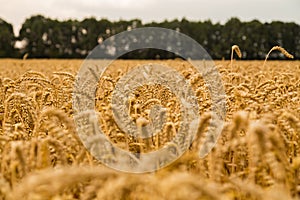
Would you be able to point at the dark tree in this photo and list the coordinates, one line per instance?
(7, 40)
(48, 38)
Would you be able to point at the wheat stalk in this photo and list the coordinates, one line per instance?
(281, 49)
(236, 49)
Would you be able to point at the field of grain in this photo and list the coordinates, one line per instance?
(257, 155)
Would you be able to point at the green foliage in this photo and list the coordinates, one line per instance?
(7, 39)
(49, 38)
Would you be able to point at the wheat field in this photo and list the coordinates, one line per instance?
(257, 155)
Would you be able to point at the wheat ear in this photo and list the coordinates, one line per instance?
(236, 49)
(282, 50)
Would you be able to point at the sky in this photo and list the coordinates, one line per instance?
(16, 11)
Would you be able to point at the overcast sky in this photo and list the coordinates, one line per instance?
(16, 11)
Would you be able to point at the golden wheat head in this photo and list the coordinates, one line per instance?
(282, 50)
(236, 49)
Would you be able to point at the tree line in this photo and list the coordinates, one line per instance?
(42, 37)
